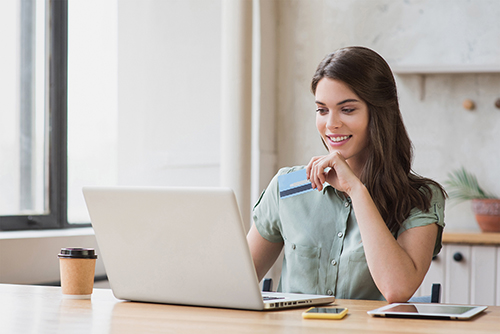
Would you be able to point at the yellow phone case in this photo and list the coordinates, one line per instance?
(324, 315)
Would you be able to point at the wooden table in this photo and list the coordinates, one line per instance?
(37, 309)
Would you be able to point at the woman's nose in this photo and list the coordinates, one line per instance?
(333, 121)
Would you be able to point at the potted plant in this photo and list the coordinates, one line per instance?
(463, 186)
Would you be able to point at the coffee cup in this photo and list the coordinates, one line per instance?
(77, 267)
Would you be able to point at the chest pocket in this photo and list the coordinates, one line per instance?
(357, 257)
(301, 268)
(360, 284)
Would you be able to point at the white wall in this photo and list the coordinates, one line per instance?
(264, 91)
(445, 136)
(169, 92)
(30, 257)
(144, 95)
(92, 100)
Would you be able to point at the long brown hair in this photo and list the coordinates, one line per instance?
(387, 174)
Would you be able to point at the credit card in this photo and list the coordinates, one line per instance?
(294, 183)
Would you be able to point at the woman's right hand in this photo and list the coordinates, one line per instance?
(339, 174)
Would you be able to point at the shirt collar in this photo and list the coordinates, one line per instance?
(339, 193)
(326, 185)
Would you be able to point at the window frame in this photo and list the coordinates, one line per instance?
(56, 116)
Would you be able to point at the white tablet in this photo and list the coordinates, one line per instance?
(434, 310)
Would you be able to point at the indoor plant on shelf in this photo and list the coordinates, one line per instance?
(463, 186)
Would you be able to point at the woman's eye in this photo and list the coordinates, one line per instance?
(347, 110)
(322, 111)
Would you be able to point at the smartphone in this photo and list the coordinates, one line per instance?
(324, 313)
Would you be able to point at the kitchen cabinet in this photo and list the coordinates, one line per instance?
(468, 268)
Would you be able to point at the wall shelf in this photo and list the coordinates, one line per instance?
(471, 238)
(424, 70)
(445, 69)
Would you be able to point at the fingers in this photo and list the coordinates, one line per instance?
(317, 169)
(311, 171)
(319, 173)
(309, 167)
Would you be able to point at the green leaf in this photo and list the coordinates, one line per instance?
(463, 186)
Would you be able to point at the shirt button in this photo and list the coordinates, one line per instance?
(329, 292)
(293, 246)
(340, 234)
(334, 263)
(346, 204)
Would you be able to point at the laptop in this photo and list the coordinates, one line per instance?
(183, 246)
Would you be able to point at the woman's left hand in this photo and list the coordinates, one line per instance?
(340, 175)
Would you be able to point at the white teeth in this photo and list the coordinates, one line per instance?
(338, 139)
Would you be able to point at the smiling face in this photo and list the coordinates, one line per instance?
(342, 120)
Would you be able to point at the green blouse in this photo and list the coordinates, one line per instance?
(323, 252)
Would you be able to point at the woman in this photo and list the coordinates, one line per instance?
(372, 226)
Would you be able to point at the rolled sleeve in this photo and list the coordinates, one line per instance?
(266, 213)
(435, 215)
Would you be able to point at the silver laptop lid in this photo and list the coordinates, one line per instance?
(174, 245)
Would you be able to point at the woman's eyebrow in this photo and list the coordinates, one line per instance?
(347, 101)
(340, 103)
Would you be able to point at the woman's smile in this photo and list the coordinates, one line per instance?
(337, 140)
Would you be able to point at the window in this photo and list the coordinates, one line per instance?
(92, 124)
(33, 128)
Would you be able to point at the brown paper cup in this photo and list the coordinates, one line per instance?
(77, 276)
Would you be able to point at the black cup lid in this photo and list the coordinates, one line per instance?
(78, 253)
